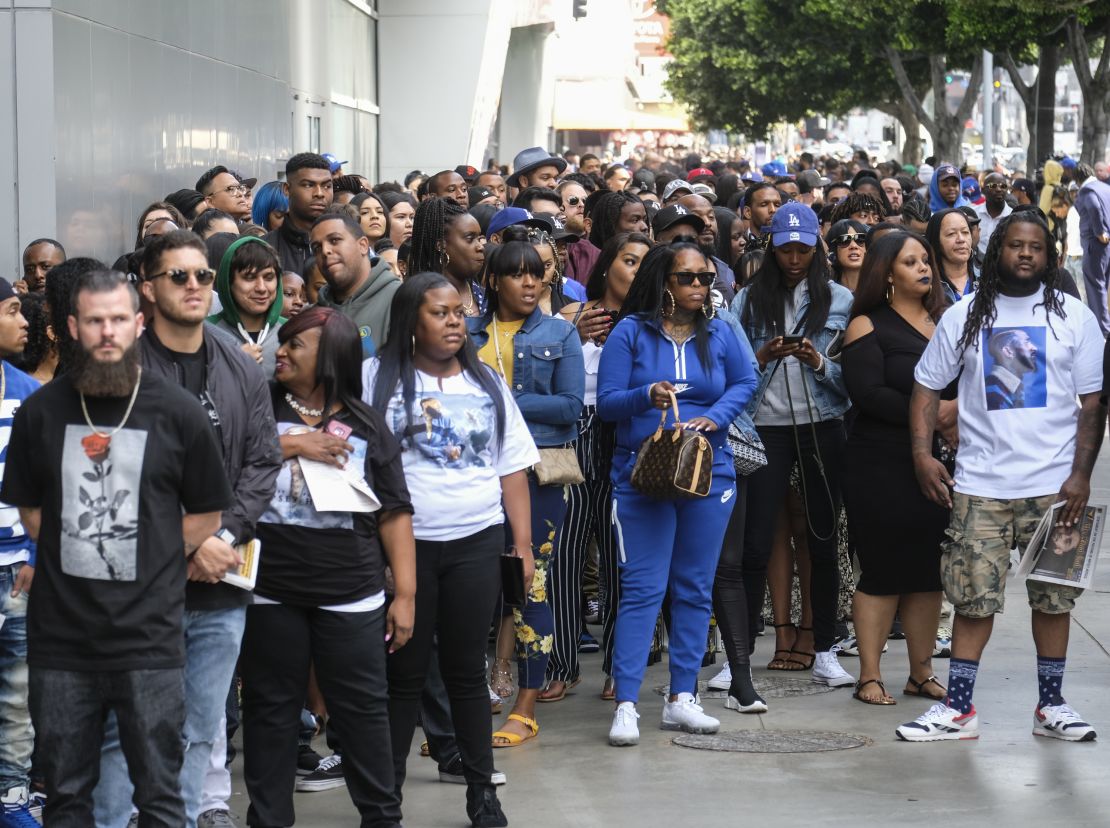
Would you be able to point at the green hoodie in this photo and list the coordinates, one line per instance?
(228, 318)
(368, 307)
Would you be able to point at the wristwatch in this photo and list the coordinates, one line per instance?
(225, 535)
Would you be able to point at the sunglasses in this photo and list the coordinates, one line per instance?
(849, 238)
(574, 201)
(685, 278)
(204, 276)
(994, 186)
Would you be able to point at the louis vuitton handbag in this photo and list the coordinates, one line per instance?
(673, 463)
(558, 466)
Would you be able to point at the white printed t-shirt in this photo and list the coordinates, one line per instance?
(1018, 405)
(453, 465)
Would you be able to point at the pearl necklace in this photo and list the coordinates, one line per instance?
(303, 410)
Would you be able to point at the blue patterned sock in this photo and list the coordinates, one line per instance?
(961, 683)
(1050, 680)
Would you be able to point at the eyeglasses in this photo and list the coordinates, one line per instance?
(574, 201)
(850, 238)
(234, 190)
(994, 185)
(685, 278)
(204, 276)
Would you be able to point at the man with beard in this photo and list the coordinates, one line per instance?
(761, 201)
(582, 254)
(16, 571)
(308, 186)
(118, 478)
(1014, 355)
(893, 190)
(178, 347)
(707, 241)
(1011, 466)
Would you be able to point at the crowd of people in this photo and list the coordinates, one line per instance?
(326, 457)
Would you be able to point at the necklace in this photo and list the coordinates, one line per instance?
(98, 443)
(497, 346)
(303, 410)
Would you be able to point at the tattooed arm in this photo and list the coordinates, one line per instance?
(1088, 440)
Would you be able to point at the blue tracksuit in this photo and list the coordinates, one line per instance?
(668, 543)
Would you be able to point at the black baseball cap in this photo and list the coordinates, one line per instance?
(675, 214)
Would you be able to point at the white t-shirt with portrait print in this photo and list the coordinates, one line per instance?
(1018, 393)
(453, 463)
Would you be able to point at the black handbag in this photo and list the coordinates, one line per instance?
(512, 580)
(673, 463)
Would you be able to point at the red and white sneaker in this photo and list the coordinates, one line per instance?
(1060, 721)
(940, 723)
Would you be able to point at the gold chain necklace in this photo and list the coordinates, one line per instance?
(497, 348)
(98, 443)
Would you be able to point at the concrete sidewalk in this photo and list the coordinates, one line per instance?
(569, 776)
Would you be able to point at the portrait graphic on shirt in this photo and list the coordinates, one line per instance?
(292, 502)
(1014, 368)
(101, 488)
(451, 431)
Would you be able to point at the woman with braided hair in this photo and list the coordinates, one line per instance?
(619, 212)
(447, 239)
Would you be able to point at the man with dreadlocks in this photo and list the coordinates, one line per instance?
(1013, 463)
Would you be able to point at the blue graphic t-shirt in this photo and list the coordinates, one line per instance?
(453, 463)
(15, 546)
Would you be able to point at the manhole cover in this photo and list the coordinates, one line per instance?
(773, 741)
(770, 687)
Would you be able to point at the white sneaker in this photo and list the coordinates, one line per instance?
(827, 670)
(940, 723)
(850, 647)
(1060, 721)
(757, 706)
(723, 679)
(625, 731)
(684, 713)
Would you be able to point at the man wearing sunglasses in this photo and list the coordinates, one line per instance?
(582, 254)
(993, 209)
(178, 346)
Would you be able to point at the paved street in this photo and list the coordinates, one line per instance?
(569, 776)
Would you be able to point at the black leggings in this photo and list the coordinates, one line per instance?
(730, 603)
(765, 497)
(458, 583)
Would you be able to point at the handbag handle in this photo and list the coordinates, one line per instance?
(663, 416)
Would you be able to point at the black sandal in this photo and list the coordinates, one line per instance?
(885, 700)
(802, 665)
(781, 662)
(919, 689)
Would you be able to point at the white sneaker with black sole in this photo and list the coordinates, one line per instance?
(723, 679)
(1060, 721)
(827, 671)
(940, 723)
(328, 775)
(624, 731)
(685, 714)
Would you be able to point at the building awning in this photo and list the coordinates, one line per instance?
(608, 104)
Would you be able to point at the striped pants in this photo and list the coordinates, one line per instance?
(589, 516)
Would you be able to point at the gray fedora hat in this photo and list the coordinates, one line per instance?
(531, 159)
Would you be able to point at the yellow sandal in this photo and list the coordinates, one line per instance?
(514, 739)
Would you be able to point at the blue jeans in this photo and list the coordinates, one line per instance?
(69, 708)
(16, 735)
(212, 640)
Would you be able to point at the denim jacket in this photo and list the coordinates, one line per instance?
(549, 376)
(828, 392)
(743, 420)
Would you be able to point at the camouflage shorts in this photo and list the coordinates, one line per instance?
(976, 556)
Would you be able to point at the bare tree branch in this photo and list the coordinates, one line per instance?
(1023, 89)
(907, 89)
(974, 85)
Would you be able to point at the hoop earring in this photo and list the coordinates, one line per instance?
(446, 258)
(668, 295)
(710, 310)
(414, 345)
(889, 292)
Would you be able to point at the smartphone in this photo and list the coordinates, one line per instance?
(338, 429)
(792, 340)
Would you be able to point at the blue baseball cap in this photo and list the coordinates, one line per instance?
(776, 168)
(794, 222)
(516, 215)
(971, 190)
(334, 164)
(1068, 163)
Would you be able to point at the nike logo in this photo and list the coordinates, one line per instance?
(727, 496)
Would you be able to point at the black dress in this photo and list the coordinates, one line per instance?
(896, 530)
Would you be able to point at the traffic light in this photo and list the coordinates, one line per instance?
(578, 9)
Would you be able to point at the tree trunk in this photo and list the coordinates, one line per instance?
(1042, 134)
(1096, 126)
(1095, 86)
(912, 148)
